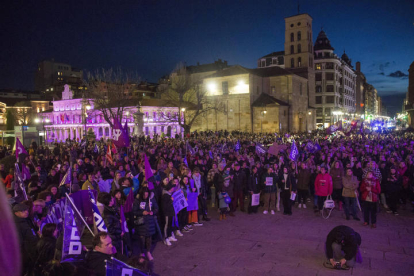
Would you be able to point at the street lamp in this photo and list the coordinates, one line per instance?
(85, 115)
(183, 116)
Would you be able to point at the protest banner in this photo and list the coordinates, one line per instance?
(269, 181)
(179, 201)
(115, 267)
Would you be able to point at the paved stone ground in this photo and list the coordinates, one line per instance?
(261, 244)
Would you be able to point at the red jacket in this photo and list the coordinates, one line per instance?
(375, 188)
(323, 185)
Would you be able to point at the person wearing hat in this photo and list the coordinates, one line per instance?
(27, 236)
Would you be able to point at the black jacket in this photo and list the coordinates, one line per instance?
(350, 243)
(113, 224)
(167, 204)
(239, 180)
(45, 252)
(27, 238)
(254, 183)
(148, 228)
(95, 261)
(291, 182)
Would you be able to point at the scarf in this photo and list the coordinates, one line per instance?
(197, 182)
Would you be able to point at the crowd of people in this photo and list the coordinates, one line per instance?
(225, 170)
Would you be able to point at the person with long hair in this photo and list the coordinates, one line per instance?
(46, 247)
(370, 190)
(144, 209)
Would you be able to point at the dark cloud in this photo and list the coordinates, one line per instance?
(382, 73)
(398, 74)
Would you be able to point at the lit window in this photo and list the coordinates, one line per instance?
(51, 89)
(38, 110)
(43, 109)
(318, 67)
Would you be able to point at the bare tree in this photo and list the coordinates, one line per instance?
(22, 112)
(188, 93)
(111, 92)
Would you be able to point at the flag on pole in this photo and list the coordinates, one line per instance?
(25, 173)
(123, 220)
(261, 149)
(109, 155)
(115, 267)
(190, 148)
(19, 189)
(72, 246)
(19, 148)
(333, 128)
(99, 222)
(119, 135)
(63, 181)
(294, 153)
(129, 202)
(149, 176)
(96, 149)
(237, 146)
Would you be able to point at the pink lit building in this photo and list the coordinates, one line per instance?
(67, 119)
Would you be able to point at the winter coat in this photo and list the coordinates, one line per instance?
(45, 252)
(27, 239)
(375, 189)
(337, 174)
(323, 185)
(350, 243)
(290, 182)
(393, 185)
(167, 204)
(144, 225)
(95, 261)
(351, 184)
(269, 189)
(254, 183)
(303, 179)
(239, 180)
(113, 224)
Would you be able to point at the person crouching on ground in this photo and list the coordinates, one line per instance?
(342, 246)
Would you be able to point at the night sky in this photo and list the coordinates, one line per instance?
(150, 37)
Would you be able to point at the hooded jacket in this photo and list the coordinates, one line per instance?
(323, 185)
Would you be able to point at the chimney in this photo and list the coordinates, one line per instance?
(358, 66)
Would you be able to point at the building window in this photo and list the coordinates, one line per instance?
(263, 63)
(330, 99)
(329, 88)
(292, 37)
(318, 66)
(155, 129)
(292, 49)
(299, 36)
(146, 130)
(299, 48)
(162, 129)
(107, 131)
(318, 77)
(299, 61)
(318, 99)
(225, 87)
(318, 89)
(319, 112)
(327, 111)
(329, 76)
(292, 62)
(100, 132)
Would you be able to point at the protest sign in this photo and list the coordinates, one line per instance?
(269, 181)
(255, 199)
(179, 201)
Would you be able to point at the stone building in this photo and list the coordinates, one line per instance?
(335, 84)
(268, 99)
(371, 100)
(360, 85)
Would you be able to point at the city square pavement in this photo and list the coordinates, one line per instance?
(261, 244)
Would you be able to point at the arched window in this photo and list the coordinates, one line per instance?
(299, 61)
(292, 49)
(292, 37)
(299, 36)
(292, 62)
(299, 48)
(100, 132)
(107, 131)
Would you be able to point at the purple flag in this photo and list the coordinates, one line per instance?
(99, 222)
(192, 201)
(19, 148)
(72, 246)
(25, 173)
(119, 135)
(129, 202)
(83, 204)
(294, 153)
(333, 128)
(148, 173)
(123, 220)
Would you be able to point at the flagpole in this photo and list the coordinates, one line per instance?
(77, 211)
